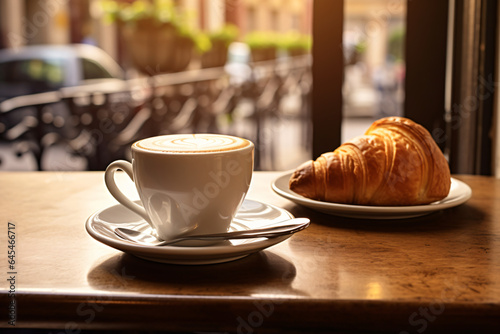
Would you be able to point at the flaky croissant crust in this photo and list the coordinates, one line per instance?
(396, 162)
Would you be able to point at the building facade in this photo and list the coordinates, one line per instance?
(27, 22)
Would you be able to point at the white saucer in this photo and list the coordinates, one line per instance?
(460, 192)
(252, 214)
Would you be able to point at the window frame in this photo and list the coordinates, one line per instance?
(451, 71)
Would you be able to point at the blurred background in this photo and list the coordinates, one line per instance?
(80, 80)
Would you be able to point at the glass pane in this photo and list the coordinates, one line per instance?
(93, 70)
(374, 33)
(48, 73)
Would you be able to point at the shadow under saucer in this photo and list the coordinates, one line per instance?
(127, 272)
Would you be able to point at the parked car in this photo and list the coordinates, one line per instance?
(41, 68)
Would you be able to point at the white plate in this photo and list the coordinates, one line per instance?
(459, 193)
(252, 214)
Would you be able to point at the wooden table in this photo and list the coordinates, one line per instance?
(434, 273)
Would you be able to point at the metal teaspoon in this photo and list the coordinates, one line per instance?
(146, 239)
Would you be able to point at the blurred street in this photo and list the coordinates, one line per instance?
(264, 95)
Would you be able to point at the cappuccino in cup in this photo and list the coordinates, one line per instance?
(194, 143)
(187, 183)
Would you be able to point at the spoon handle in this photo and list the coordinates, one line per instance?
(256, 233)
(289, 227)
(267, 232)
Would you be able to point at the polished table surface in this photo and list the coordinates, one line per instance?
(433, 273)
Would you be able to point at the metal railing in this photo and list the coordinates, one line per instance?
(99, 121)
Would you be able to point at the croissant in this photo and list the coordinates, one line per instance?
(396, 162)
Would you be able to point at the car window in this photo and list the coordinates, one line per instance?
(47, 74)
(93, 70)
(30, 76)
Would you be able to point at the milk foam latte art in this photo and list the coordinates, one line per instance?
(192, 143)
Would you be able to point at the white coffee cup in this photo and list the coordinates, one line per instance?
(187, 183)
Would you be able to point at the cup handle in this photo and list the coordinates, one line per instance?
(109, 179)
